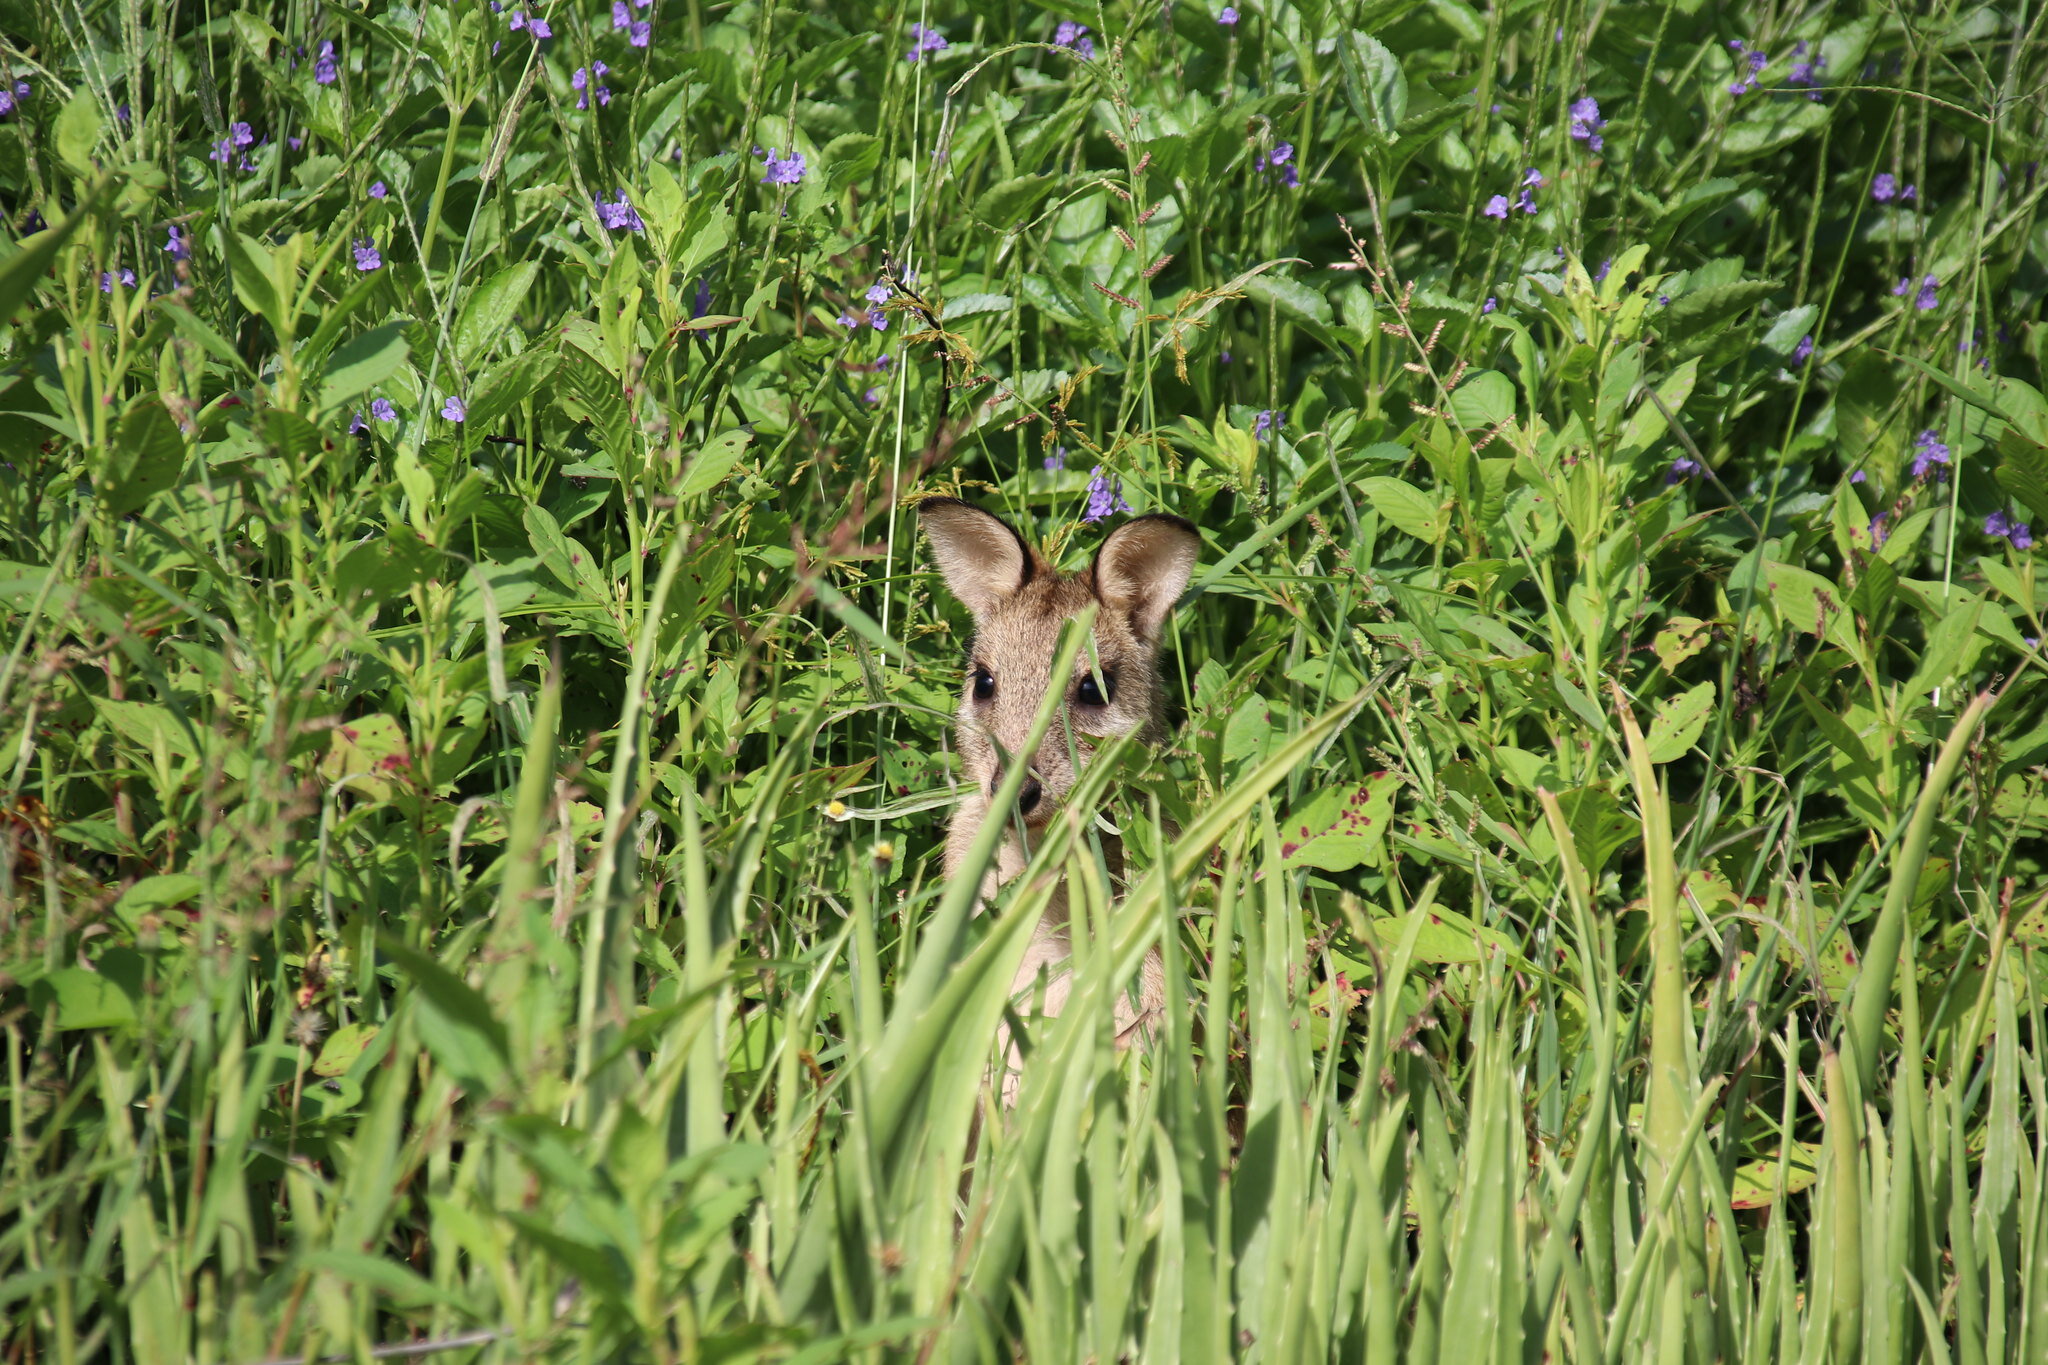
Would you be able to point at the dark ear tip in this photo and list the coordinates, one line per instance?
(940, 500)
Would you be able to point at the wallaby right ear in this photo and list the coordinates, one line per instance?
(982, 558)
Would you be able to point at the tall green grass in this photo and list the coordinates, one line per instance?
(473, 886)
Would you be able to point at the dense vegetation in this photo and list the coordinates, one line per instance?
(474, 712)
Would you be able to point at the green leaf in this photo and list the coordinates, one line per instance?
(1340, 827)
(1678, 723)
(1485, 400)
(24, 269)
(455, 1023)
(77, 130)
(83, 999)
(712, 462)
(147, 457)
(1755, 137)
(381, 568)
(1374, 84)
(362, 363)
(509, 383)
(1409, 508)
(2023, 470)
(489, 308)
(1946, 643)
(1702, 310)
(1294, 301)
(1007, 203)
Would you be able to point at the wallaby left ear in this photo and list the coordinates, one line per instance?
(1144, 567)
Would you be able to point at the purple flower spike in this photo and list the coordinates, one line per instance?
(455, 410)
(642, 33)
(1074, 37)
(621, 16)
(1928, 454)
(177, 246)
(1267, 422)
(324, 70)
(1928, 300)
(619, 216)
(1586, 123)
(1105, 496)
(367, 256)
(923, 40)
(782, 171)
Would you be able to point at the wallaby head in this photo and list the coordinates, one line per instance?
(1019, 603)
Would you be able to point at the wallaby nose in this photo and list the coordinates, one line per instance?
(1027, 799)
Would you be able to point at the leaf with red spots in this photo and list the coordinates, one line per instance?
(1340, 827)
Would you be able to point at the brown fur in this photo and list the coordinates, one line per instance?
(1020, 603)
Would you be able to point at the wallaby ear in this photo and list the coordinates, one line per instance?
(1144, 566)
(982, 558)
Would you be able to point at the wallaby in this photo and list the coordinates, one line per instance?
(1019, 602)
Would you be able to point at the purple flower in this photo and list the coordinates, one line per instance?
(1586, 122)
(923, 40)
(878, 319)
(323, 66)
(180, 249)
(877, 293)
(1998, 524)
(701, 303)
(783, 172)
(1878, 534)
(517, 21)
(620, 216)
(455, 410)
(1926, 301)
(1755, 62)
(883, 362)
(1228, 18)
(1105, 496)
(357, 426)
(1488, 306)
(642, 33)
(848, 320)
(872, 396)
(1858, 477)
(294, 141)
(1905, 283)
(581, 80)
(1684, 468)
(2022, 537)
(1532, 180)
(6, 101)
(1601, 273)
(1884, 188)
(377, 190)
(1806, 73)
(1074, 37)
(367, 257)
(1057, 460)
(1803, 351)
(539, 28)
(1267, 421)
(1280, 154)
(1928, 452)
(381, 409)
(621, 16)
(1496, 207)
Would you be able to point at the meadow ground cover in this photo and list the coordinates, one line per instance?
(474, 710)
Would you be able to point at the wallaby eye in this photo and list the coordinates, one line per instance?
(984, 684)
(1088, 694)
